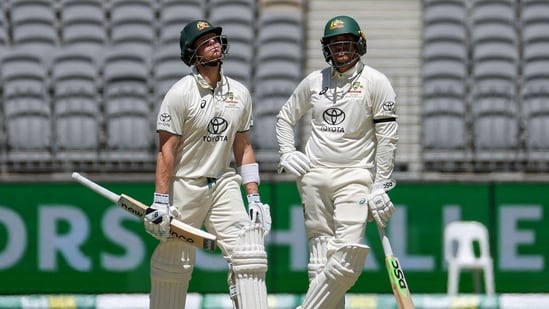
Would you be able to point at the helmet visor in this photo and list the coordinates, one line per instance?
(211, 48)
(342, 52)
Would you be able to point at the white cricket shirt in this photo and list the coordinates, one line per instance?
(207, 121)
(344, 107)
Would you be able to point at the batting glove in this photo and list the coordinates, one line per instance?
(157, 218)
(259, 212)
(381, 207)
(295, 162)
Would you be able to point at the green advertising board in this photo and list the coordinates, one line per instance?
(58, 237)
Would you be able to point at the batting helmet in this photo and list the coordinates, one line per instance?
(191, 32)
(342, 25)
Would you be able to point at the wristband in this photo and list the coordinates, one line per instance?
(161, 198)
(384, 185)
(253, 198)
(249, 173)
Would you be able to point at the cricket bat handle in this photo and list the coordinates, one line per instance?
(385, 241)
(95, 187)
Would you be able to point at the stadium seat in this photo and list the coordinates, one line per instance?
(496, 131)
(83, 24)
(499, 11)
(77, 127)
(263, 132)
(74, 69)
(28, 124)
(276, 88)
(23, 70)
(445, 31)
(133, 24)
(460, 240)
(125, 70)
(278, 68)
(127, 106)
(34, 24)
(280, 25)
(446, 11)
(535, 111)
(444, 131)
(232, 11)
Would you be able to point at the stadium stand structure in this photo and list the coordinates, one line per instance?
(278, 70)
(127, 108)
(535, 82)
(495, 57)
(76, 111)
(482, 91)
(26, 109)
(445, 60)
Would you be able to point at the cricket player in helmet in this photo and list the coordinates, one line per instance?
(203, 121)
(346, 166)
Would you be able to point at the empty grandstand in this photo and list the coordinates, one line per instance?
(81, 82)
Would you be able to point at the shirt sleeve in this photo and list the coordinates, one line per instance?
(247, 116)
(171, 115)
(292, 111)
(386, 128)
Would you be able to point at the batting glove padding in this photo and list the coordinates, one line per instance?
(295, 162)
(259, 212)
(157, 219)
(381, 207)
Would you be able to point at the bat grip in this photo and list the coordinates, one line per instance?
(95, 187)
(385, 241)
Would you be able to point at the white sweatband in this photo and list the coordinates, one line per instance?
(161, 198)
(249, 173)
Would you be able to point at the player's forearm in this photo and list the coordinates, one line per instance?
(164, 168)
(387, 140)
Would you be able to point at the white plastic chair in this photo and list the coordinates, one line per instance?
(459, 240)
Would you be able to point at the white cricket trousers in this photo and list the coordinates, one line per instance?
(218, 205)
(335, 205)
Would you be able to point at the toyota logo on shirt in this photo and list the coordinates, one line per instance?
(217, 125)
(333, 116)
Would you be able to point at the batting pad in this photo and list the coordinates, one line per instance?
(341, 272)
(318, 255)
(247, 269)
(172, 264)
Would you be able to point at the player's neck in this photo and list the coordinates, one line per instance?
(211, 74)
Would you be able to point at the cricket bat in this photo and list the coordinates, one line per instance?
(396, 274)
(179, 230)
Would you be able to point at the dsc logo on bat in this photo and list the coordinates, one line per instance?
(398, 273)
